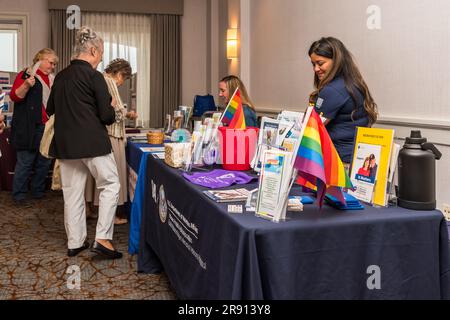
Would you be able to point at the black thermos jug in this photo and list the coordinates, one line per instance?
(417, 173)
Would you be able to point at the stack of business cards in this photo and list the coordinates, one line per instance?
(351, 202)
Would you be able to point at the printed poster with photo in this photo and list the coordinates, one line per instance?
(267, 138)
(370, 165)
(364, 171)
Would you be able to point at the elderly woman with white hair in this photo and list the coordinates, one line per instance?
(83, 107)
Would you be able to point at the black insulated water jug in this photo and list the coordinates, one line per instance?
(417, 173)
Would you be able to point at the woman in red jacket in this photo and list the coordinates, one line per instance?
(365, 169)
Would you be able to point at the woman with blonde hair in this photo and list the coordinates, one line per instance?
(227, 87)
(341, 96)
(30, 93)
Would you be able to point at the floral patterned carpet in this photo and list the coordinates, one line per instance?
(34, 264)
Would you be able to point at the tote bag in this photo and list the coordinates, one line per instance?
(47, 138)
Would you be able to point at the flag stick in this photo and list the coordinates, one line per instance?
(229, 102)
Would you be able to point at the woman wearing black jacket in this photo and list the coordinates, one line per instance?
(82, 107)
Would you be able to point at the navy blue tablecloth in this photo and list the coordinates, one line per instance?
(137, 160)
(208, 253)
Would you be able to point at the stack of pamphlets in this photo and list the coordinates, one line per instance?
(352, 202)
(303, 199)
(233, 195)
(274, 185)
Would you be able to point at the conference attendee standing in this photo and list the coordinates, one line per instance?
(341, 96)
(117, 71)
(83, 107)
(227, 87)
(30, 93)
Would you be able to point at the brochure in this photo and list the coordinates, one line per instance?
(272, 134)
(291, 116)
(269, 131)
(233, 195)
(152, 149)
(370, 165)
(272, 184)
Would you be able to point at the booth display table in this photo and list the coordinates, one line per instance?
(208, 253)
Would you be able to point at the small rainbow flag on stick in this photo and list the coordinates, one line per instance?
(234, 113)
(318, 163)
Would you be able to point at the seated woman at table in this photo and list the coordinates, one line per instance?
(341, 95)
(227, 86)
(116, 73)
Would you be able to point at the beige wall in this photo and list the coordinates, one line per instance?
(203, 55)
(404, 63)
(194, 50)
(39, 21)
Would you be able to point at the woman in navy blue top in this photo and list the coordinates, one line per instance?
(341, 96)
(227, 86)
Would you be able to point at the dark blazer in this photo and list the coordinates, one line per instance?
(82, 107)
(26, 117)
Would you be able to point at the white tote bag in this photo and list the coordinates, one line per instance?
(47, 138)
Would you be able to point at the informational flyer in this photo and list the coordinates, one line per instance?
(272, 184)
(364, 171)
(370, 165)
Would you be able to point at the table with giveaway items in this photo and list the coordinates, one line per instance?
(210, 253)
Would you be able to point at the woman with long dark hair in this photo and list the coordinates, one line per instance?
(341, 95)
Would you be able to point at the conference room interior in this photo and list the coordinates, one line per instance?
(180, 49)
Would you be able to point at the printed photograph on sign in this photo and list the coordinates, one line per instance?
(364, 171)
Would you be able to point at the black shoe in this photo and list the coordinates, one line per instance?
(40, 196)
(74, 252)
(107, 253)
(92, 216)
(23, 203)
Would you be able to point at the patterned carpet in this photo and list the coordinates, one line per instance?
(34, 264)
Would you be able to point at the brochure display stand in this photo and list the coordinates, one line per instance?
(370, 165)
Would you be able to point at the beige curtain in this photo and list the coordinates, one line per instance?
(62, 39)
(127, 36)
(165, 67)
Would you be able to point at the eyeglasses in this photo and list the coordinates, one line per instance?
(53, 63)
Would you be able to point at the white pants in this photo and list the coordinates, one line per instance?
(73, 177)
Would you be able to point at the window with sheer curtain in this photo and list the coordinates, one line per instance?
(126, 36)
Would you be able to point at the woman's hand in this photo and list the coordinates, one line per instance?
(22, 91)
(113, 102)
(132, 115)
(30, 82)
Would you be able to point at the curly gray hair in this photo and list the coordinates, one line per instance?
(85, 39)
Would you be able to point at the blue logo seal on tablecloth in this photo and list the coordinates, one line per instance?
(162, 205)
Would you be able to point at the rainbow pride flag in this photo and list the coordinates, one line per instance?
(234, 113)
(319, 166)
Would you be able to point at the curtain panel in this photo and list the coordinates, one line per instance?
(157, 39)
(165, 80)
(127, 36)
(62, 38)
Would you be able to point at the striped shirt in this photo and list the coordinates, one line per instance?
(117, 129)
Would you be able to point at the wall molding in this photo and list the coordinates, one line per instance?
(415, 122)
(175, 7)
(433, 124)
